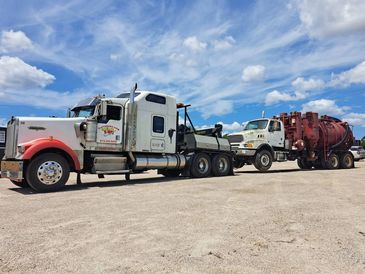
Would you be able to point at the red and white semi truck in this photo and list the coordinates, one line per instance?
(130, 133)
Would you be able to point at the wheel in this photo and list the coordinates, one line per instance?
(263, 160)
(304, 164)
(347, 160)
(48, 172)
(333, 161)
(170, 173)
(201, 166)
(221, 165)
(23, 183)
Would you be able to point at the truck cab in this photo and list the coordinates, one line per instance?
(265, 137)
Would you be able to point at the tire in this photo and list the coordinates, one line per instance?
(304, 164)
(333, 161)
(23, 183)
(263, 160)
(170, 173)
(201, 166)
(221, 165)
(347, 160)
(58, 172)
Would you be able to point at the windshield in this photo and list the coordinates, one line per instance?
(83, 112)
(258, 124)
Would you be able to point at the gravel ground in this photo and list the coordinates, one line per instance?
(286, 220)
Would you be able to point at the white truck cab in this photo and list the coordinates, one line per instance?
(263, 138)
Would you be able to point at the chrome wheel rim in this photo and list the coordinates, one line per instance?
(222, 164)
(49, 172)
(265, 160)
(203, 165)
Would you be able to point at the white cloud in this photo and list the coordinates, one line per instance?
(276, 96)
(225, 43)
(217, 108)
(14, 41)
(324, 18)
(355, 75)
(16, 74)
(324, 107)
(23, 84)
(301, 91)
(356, 119)
(194, 44)
(253, 73)
(302, 85)
(235, 126)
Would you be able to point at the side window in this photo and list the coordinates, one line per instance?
(158, 124)
(113, 112)
(274, 126)
(156, 99)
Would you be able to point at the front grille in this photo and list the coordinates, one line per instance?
(235, 138)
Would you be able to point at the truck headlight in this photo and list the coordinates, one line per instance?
(21, 149)
(248, 145)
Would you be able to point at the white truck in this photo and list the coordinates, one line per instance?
(131, 133)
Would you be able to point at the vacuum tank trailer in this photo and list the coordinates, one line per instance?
(312, 141)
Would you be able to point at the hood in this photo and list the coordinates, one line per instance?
(248, 135)
(63, 129)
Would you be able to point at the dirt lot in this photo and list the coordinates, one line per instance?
(286, 220)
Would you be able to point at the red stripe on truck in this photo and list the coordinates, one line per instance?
(37, 145)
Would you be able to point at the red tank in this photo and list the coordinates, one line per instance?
(316, 135)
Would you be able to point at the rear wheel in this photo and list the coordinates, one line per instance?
(48, 172)
(333, 161)
(201, 165)
(221, 165)
(263, 160)
(23, 183)
(347, 160)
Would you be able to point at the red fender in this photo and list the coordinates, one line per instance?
(33, 147)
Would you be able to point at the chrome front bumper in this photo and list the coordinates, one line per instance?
(244, 152)
(12, 170)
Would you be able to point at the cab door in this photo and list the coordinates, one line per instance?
(158, 134)
(110, 126)
(276, 134)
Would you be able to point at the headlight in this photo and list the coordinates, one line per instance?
(21, 149)
(248, 145)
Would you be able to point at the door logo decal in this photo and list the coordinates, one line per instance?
(108, 130)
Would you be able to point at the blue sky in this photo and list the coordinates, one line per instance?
(229, 59)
